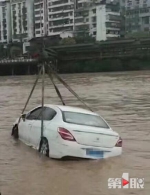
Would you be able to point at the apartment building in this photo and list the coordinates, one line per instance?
(16, 20)
(41, 17)
(137, 16)
(61, 16)
(22, 20)
(5, 21)
(99, 19)
(53, 17)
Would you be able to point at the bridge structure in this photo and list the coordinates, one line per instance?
(122, 49)
(16, 61)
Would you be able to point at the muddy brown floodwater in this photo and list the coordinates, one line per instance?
(123, 99)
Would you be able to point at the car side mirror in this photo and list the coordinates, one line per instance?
(23, 116)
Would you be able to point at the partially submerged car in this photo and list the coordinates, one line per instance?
(68, 132)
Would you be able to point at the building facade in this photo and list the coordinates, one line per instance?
(53, 17)
(40, 18)
(61, 16)
(16, 20)
(137, 16)
(5, 22)
(100, 20)
(22, 20)
(107, 23)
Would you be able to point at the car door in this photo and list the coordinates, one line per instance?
(25, 130)
(48, 115)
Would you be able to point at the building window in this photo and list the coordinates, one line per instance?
(145, 20)
(93, 19)
(144, 10)
(94, 11)
(38, 32)
(137, 1)
(146, 29)
(13, 7)
(3, 9)
(87, 19)
(19, 6)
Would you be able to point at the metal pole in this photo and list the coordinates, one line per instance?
(43, 81)
(34, 85)
(32, 91)
(12, 71)
(28, 70)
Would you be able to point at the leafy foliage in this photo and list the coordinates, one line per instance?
(68, 41)
(138, 35)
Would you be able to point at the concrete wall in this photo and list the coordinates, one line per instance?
(5, 9)
(101, 20)
(9, 26)
(30, 18)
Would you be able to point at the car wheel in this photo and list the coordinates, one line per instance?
(15, 132)
(44, 147)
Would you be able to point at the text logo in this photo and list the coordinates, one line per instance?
(126, 182)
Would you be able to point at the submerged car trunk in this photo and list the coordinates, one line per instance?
(93, 136)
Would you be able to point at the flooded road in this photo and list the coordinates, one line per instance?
(123, 99)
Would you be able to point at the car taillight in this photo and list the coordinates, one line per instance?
(65, 134)
(119, 142)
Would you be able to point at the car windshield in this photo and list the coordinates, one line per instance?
(84, 119)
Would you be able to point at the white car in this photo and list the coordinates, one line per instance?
(68, 132)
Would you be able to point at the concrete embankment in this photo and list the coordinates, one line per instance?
(106, 65)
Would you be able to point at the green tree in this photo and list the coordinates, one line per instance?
(82, 35)
(68, 41)
(138, 35)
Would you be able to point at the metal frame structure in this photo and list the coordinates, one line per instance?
(46, 68)
(48, 56)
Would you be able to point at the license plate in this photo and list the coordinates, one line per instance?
(95, 153)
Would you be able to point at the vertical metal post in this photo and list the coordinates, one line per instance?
(43, 80)
(37, 78)
(34, 85)
(28, 70)
(56, 65)
(12, 70)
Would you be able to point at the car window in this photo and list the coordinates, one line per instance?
(84, 119)
(34, 115)
(48, 114)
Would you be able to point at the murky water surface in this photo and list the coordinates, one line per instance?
(123, 99)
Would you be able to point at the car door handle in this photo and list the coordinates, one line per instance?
(29, 124)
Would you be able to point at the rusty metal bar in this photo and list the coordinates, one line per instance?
(34, 85)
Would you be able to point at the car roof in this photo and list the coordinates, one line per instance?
(71, 109)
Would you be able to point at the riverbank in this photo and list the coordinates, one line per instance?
(104, 66)
(80, 66)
